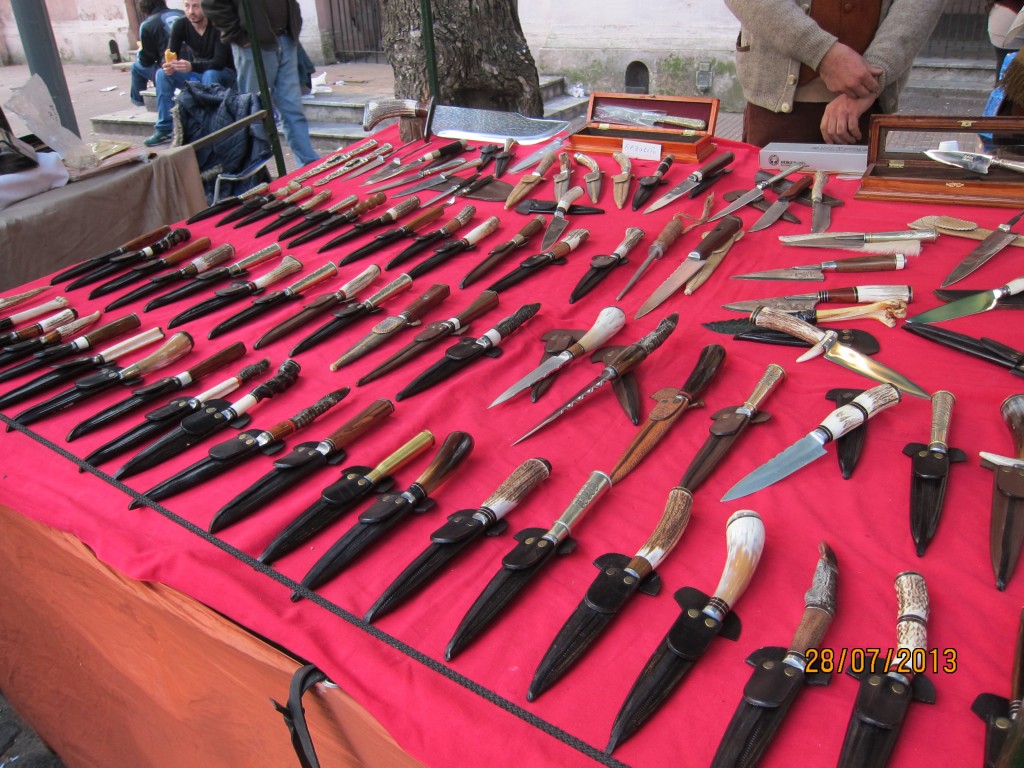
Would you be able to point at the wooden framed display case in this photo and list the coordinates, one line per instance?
(898, 169)
(603, 136)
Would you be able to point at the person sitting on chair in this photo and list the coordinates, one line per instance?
(154, 32)
(195, 52)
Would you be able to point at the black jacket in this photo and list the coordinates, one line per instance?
(226, 16)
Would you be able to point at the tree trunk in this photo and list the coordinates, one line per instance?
(482, 57)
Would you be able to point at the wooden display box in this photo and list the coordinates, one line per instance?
(688, 145)
(898, 169)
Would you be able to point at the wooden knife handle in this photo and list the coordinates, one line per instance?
(453, 451)
(217, 360)
(360, 423)
(377, 198)
(485, 302)
(429, 299)
(154, 235)
(869, 263)
(1017, 681)
(796, 188)
(819, 603)
(112, 329)
(186, 251)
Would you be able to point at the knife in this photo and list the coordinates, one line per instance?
(559, 223)
(1006, 534)
(812, 446)
(563, 178)
(7, 302)
(602, 265)
(462, 529)
(284, 204)
(982, 301)
(389, 216)
(619, 578)
(1002, 715)
(756, 193)
(205, 279)
(693, 263)
(502, 158)
(389, 326)
(859, 294)
(422, 242)
(608, 323)
(591, 180)
(647, 184)
(624, 361)
(294, 212)
(816, 272)
(336, 158)
(126, 260)
(529, 180)
(620, 188)
(775, 211)
(452, 247)
(396, 169)
(535, 548)
(17, 318)
(355, 484)
(432, 334)
(985, 349)
(236, 450)
(531, 265)
(727, 425)
(1001, 237)
(298, 465)
(256, 202)
(132, 245)
(574, 126)
(821, 213)
(850, 446)
(532, 227)
(47, 340)
(780, 674)
(199, 265)
(885, 694)
(387, 511)
(338, 215)
(691, 182)
(702, 619)
(906, 241)
(13, 339)
(930, 472)
(973, 161)
(357, 166)
(313, 218)
(140, 271)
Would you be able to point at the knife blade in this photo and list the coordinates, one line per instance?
(816, 272)
(245, 445)
(693, 263)
(396, 169)
(756, 193)
(1006, 534)
(727, 425)
(559, 223)
(608, 323)
(619, 578)
(812, 446)
(1001, 237)
(821, 213)
(930, 472)
(701, 621)
(623, 362)
(775, 211)
(355, 484)
(982, 301)
(692, 181)
(973, 161)
(802, 301)
(298, 465)
(388, 511)
(951, 294)
(884, 695)
(527, 559)
(780, 674)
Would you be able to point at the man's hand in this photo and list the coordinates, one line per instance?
(840, 123)
(178, 65)
(843, 70)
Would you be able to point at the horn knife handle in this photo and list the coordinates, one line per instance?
(1012, 410)
(175, 348)
(516, 486)
(665, 536)
(453, 451)
(744, 533)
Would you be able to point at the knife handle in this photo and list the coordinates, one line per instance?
(818, 188)
(478, 233)
(426, 216)
(665, 536)
(714, 165)
(287, 189)
(545, 162)
(401, 283)
(108, 331)
(288, 266)
(458, 221)
(360, 281)
(360, 423)
(77, 326)
(149, 238)
(187, 251)
(453, 451)
(796, 188)
(819, 605)
(217, 360)
(777, 320)
(860, 409)
(1012, 411)
(570, 197)
(744, 535)
(313, 279)
(402, 456)
(173, 238)
(912, 614)
(772, 377)
(486, 301)
(663, 166)
(942, 413)
(429, 299)
(780, 175)
(630, 240)
(298, 195)
(374, 200)
(716, 238)
(452, 148)
(609, 322)
(638, 351)
(306, 416)
(710, 360)
(596, 486)
(315, 200)
(513, 321)
(668, 235)
(398, 211)
(175, 348)
(516, 486)
(880, 263)
(1012, 288)
(263, 254)
(286, 375)
(212, 258)
(863, 294)
(114, 351)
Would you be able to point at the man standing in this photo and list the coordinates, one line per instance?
(817, 70)
(277, 26)
(154, 33)
(198, 54)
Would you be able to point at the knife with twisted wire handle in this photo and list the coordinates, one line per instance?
(301, 463)
(885, 694)
(462, 529)
(780, 674)
(246, 444)
(388, 511)
(702, 619)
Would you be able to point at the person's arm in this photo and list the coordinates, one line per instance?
(223, 14)
(902, 33)
(840, 124)
(149, 50)
(178, 31)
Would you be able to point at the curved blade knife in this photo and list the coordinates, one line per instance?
(388, 511)
(702, 619)
(462, 529)
(779, 674)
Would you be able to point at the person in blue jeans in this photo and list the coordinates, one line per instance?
(154, 34)
(198, 54)
(277, 26)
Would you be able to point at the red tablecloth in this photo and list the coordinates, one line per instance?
(475, 706)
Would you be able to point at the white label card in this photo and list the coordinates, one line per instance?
(641, 150)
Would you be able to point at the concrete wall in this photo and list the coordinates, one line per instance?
(592, 42)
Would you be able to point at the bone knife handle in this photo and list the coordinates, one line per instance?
(818, 188)
(360, 281)
(114, 351)
(744, 535)
(212, 258)
(398, 211)
(819, 605)
(860, 409)
(175, 348)
(289, 265)
(516, 486)
(912, 613)
(942, 413)
(609, 322)
(665, 536)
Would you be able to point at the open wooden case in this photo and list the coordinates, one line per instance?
(898, 169)
(602, 136)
